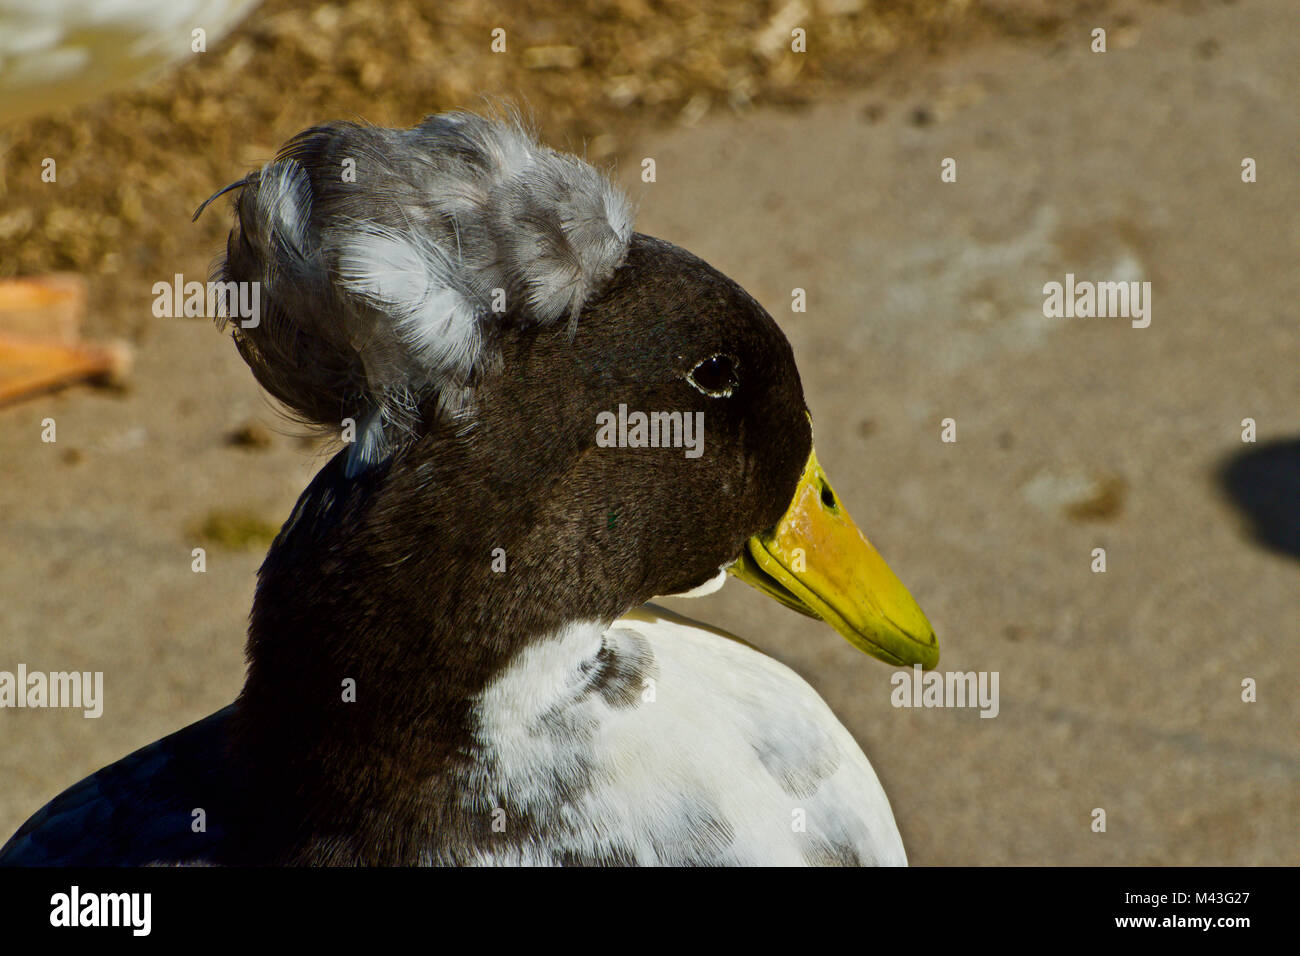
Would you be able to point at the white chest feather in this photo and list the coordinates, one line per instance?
(660, 741)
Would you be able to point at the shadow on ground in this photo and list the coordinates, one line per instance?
(1264, 484)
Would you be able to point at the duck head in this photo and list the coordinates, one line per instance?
(679, 411)
(553, 418)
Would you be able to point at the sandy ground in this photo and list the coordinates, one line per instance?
(1119, 691)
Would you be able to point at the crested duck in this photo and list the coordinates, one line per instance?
(451, 655)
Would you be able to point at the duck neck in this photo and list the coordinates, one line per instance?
(386, 605)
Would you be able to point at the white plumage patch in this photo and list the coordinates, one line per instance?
(711, 586)
(413, 285)
(662, 741)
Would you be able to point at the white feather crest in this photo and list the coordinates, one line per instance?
(386, 286)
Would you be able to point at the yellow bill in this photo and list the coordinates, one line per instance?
(817, 561)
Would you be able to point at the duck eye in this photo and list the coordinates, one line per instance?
(715, 376)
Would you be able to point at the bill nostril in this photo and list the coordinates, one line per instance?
(828, 496)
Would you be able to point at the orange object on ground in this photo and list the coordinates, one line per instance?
(40, 338)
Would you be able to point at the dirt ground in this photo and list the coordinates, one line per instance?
(1120, 691)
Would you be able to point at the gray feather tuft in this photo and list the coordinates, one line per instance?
(381, 254)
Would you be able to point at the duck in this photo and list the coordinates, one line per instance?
(455, 654)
